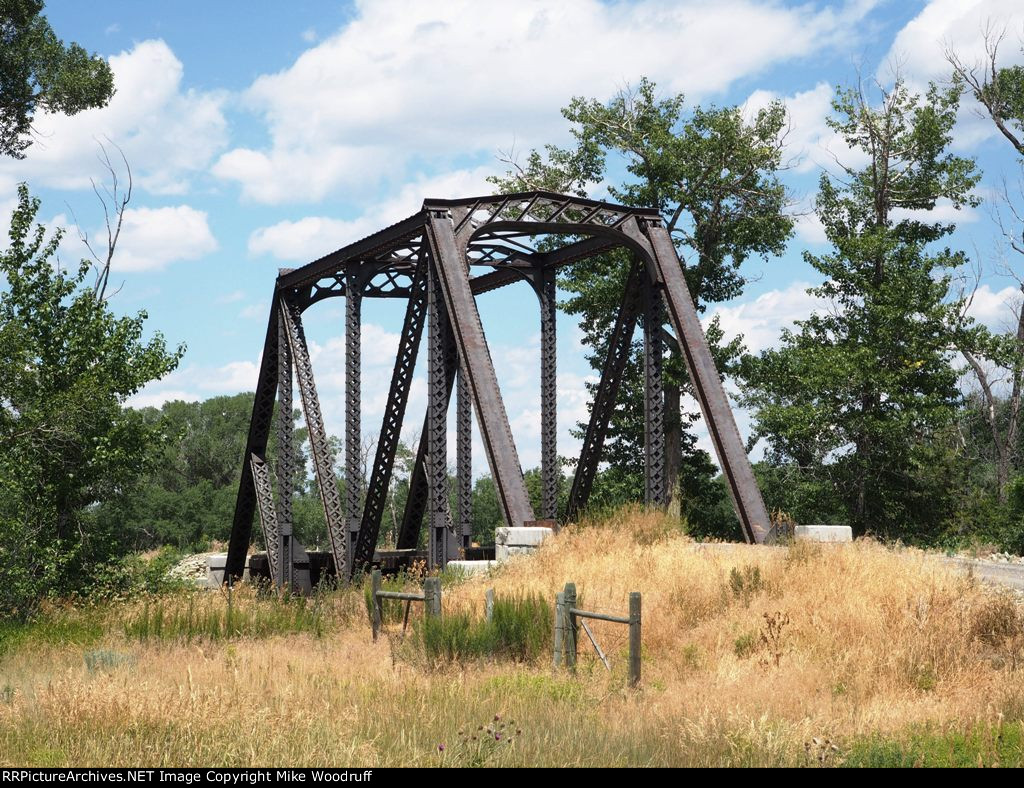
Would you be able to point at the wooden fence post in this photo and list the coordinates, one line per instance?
(432, 596)
(559, 627)
(634, 638)
(375, 606)
(571, 627)
(489, 605)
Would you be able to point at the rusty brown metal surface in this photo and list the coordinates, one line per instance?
(473, 246)
(714, 402)
(475, 357)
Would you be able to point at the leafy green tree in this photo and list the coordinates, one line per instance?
(39, 72)
(713, 175)
(855, 394)
(67, 364)
(486, 510)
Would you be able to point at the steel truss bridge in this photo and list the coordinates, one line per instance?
(439, 260)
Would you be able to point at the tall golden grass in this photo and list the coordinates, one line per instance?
(751, 656)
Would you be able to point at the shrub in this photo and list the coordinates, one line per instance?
(519, 630)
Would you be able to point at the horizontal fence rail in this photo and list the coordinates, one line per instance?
(431, 599)
(569, 619)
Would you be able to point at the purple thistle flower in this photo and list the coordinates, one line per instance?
(440, 747)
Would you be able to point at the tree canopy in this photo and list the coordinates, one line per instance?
(713, 174)
(857, 392)
(39, 72)
(67, 366)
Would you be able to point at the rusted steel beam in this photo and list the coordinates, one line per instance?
(268, 515)
(619, 344)
(442, 359)
(353, 407)
(256, 443)
(464, 460)
(453, 277)
(331, 263)
(550, 470)
(654, 398)
(323, 462)
(394, 416)
(416, 502)
(279, 553)
(714, 403)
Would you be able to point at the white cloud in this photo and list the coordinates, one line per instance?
(406, 80)
(944, 211)
(761, 320)
(958, 25)
(810, 144)
(918, 51)
(152, 238)
(809, 228)
(168, 133)
(253, 311)
(314, 236)
(193, 383)
(994, 308)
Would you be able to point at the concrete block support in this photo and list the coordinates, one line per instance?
(472, 567)
(521, 540)
(823, 533)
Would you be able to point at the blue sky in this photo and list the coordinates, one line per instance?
(264, 135)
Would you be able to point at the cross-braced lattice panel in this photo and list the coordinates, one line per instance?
(539, 207)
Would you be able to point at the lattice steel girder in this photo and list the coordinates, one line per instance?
(416, 502)
(714, 403)
(550, 470)
(256, 443)
(394, 415)
(464, 460)
(452, 269)
(323, 462)
(654, 398)
(619, 344)
(442, 358)
(268, 514)
(279, 553)
(353, 407)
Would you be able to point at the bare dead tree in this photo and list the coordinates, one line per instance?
(982, 78)
(114, 195)
(998, 363)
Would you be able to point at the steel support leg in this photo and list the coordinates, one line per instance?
(394, 415)
(268, 515)
(452, 268)
(256, 443)
(714, 403)
(654, 398)
(619, 344)
(549, 467)
(279, 553)
(353, 410)
(323, 462)
(464, 460)
(417, 502)
(441, 359)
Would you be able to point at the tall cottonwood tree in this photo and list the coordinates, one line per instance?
(853, 394)
(997, 359)
(712, 173)
(39, 72)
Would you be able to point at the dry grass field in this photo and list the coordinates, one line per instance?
(806, 655)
